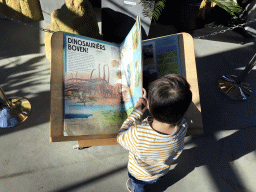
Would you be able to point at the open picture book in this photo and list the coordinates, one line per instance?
(103, 81)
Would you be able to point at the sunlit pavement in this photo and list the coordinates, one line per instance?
(223, 159)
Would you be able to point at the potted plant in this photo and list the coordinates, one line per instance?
(220, 12)
(183, 14)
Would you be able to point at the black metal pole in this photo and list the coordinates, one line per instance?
(246, 71)
(13, 111)
(3, 99)
(234, 87)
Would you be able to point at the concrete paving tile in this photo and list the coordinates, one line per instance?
(72, 177)
(105, 151)
(215, 58)
(115, 182)
(28, 74)
(191, 182)
(31, 150)
(245, 166)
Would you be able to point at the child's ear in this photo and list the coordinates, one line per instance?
(148, 105)
(144, 93)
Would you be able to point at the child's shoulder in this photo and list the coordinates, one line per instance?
(145, 123)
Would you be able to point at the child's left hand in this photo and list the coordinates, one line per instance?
(141, 104)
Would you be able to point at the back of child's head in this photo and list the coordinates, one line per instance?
(169, 98)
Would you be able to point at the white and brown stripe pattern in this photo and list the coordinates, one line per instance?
(151, 153)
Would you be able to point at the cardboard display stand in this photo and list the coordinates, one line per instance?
(188, 69)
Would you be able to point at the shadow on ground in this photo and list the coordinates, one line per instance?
(90, 181)
(216, 155)
(16, 38)
(218, 111)
(24, 79)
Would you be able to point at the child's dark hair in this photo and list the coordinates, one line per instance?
(169, 98)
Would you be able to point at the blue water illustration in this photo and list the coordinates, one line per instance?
(77, 116)
(129, 75)
(132, 101)
(78, 110)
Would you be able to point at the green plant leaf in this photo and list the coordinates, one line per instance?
(159, 6)
(229, 5)
(153, 12)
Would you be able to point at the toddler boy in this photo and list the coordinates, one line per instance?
(158, 140)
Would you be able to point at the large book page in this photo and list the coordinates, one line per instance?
(92, 86)
(102, 82)
(160, 57)
(131, 63)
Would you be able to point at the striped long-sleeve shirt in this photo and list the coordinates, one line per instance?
(150, 153)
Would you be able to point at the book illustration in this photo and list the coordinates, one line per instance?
(134, 76)
(131, 66)
(119, 74)
(135, 37)
(138, 75)
(88, 98)
(115, 63)
(126, 48)
(128, 91)
(168, 63)
(160, 57)
(92, 89)
(99, 86)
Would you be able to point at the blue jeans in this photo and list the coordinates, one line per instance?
(141, 186)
